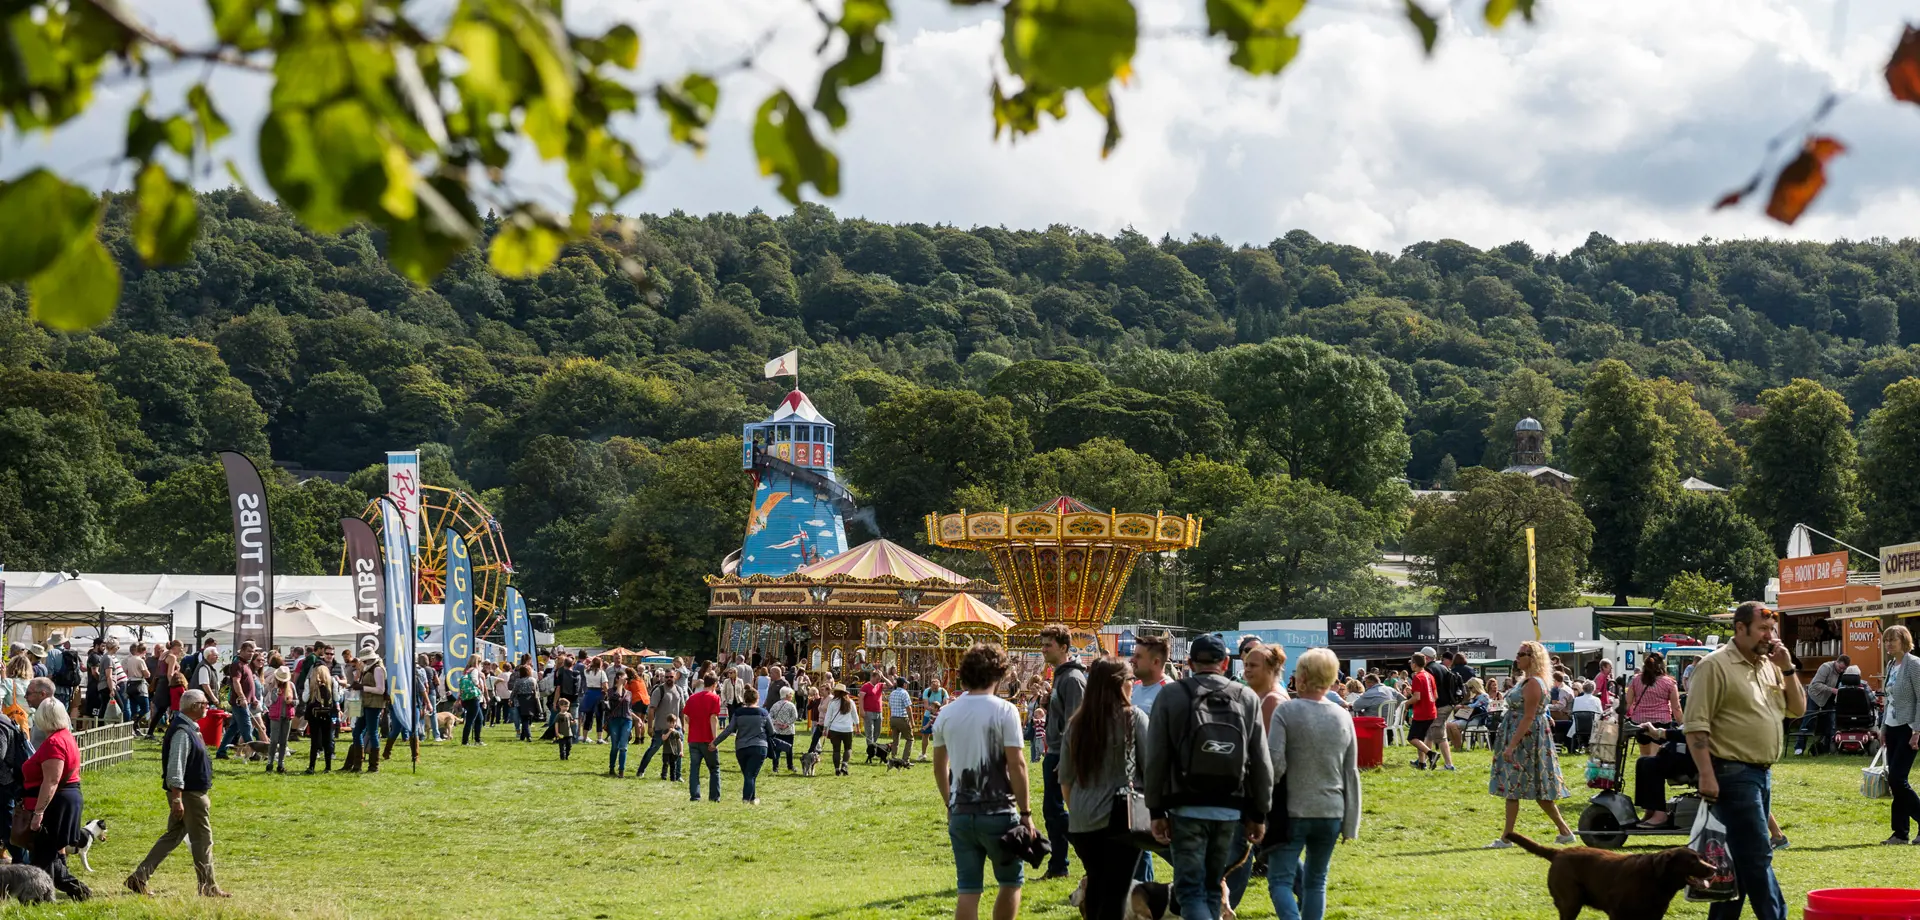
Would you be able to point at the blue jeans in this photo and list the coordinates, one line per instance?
(366, 731)
(1053, 807)
(1746, 795)
(619, 731)
(1202, 850)
(1316, 837)
(656, 746)
(976, 842)
(750, 760)
(239, 728)
(703, 752)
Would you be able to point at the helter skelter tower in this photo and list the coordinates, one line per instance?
(1062, 562)
(799, 507)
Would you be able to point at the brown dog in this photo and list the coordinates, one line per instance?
(1636, 886)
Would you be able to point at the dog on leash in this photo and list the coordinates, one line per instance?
(1154, 900)
(898, 763)
(444, 721)
(26, 884)
(1624, 886)
(880, 752)
(809, 762)
(92, 832)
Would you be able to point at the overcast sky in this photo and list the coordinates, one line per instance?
(1625, 116)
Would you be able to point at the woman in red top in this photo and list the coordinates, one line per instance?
(52, 781)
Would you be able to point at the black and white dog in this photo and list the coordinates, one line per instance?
(92, 832)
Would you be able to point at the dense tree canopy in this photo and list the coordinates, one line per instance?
(963, 367)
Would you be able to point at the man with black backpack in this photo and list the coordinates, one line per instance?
(63, 665)
(1447, 695)
(1209, 776)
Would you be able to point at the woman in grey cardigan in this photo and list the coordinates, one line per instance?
(1897, 733)
(1314, 751)
(1097, 761)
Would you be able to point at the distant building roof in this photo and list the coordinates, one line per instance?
(1537, 470)
(1696, 484)
(1529, 424)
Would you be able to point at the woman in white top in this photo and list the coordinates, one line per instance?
(841, 716)
(501, 694)
(135, 667)
(13, 690)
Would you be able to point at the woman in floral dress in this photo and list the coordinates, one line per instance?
(1526, 766)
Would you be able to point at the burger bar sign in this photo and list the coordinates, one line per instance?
(1385, 630)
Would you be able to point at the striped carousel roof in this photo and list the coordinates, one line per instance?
(878, 558)
(963, 609)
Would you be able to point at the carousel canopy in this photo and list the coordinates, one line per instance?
(963, 610)
(878, 558)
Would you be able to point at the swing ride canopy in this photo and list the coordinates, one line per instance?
(1063, 562)
(962, 611)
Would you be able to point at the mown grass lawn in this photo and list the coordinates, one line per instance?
(510, 830)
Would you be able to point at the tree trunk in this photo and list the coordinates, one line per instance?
(1620, 599)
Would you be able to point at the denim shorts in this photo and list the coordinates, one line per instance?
(976, 841)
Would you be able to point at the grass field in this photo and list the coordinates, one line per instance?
(510, 830)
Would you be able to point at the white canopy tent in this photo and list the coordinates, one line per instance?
(190, 601)
(86, 607)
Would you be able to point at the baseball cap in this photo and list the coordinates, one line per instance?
(1429, 652)
(1207, 649)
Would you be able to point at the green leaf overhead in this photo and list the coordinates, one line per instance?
(860, 21)
(167, 217)
(1258, 30)
(1423, 22)
(79, 289)
(688, 104)
(59, 213)
(787, 149)
(1070, 44)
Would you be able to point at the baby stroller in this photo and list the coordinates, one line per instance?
(1854, 717)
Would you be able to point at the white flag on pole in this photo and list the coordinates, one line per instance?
(787, 365)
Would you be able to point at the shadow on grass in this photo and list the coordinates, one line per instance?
(926, 897)
(1835, 848)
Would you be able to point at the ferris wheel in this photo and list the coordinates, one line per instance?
(441, 510)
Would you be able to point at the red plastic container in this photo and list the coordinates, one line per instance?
(213, 725)
(1371, 732)
(1863, 904)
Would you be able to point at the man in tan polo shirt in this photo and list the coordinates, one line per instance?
(1736, 705)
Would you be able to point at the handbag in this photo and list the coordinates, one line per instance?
(1130, 804)
(21, 833)
(1873, 777)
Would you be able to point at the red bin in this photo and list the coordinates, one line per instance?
(1864, 903)
(213, 725)
(1371, 732)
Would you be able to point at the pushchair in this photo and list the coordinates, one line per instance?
(1855, 714)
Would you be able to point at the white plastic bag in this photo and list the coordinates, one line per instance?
(1873, 777)
(1710, 841)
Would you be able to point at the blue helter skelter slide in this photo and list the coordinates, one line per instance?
(799, 507)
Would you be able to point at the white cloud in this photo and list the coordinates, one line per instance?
(1626, 117)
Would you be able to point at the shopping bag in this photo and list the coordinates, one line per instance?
(1710, 841)
(1873, 777)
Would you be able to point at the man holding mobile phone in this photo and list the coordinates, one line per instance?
(1736, 707)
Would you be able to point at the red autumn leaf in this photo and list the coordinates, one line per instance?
(1801, 180)
(1737, 195)
(1903, 69)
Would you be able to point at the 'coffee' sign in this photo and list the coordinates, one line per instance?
(1899, 565)
(1385, 630)
(1827, 570)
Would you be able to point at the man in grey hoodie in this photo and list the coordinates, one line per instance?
(1200, 726)
(1069, 685)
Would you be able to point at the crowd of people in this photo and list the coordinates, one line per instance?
(1137, 757)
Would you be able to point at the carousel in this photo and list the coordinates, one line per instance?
(933, 642)
(1062, 562)
(840, 612)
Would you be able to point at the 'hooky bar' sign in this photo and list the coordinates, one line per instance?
(253, 552)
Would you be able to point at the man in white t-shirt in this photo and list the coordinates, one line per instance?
(982, 777)
(1586, 711)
